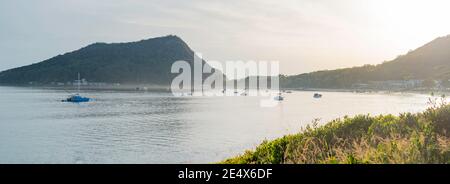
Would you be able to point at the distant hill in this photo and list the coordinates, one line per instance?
(149, 62)
(142, 62)
(431, 61)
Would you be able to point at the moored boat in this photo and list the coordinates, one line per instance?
(278, 97)
(77, 98)
(317, 95)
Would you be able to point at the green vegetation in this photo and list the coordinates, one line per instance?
(142, 62)
(385, 139)
(429, 62)
(149, 62)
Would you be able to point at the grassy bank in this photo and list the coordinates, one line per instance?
(407, 138)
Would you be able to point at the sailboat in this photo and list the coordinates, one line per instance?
(76, 98)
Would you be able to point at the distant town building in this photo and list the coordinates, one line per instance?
(389, 84)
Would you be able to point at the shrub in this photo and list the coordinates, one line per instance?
(407, 138)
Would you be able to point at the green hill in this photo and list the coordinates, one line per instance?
(431, 61)
(142, 62)
(149, 62)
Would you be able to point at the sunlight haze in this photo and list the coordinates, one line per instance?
(304, 35)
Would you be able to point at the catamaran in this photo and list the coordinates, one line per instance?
(76, 98)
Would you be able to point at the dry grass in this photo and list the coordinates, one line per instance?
(408, 138)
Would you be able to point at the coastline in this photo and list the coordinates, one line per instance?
(161, 88)
(129, 87)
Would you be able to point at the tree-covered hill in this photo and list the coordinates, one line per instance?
(431, 61)
(142, 62)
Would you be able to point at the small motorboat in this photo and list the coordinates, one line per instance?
(279, 97)
(317, 95)
(288, 92)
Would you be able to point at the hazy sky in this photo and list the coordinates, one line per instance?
(304, 35)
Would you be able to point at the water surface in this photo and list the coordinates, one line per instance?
(155, 127)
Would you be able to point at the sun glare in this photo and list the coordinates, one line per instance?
(410, 22)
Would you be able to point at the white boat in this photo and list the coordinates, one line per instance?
(317, 95)
(279, 97)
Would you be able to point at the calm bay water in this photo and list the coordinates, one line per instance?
(155, 127)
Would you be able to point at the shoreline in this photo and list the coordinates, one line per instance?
(144, 87)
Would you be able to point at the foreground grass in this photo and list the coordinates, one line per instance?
(407, 138)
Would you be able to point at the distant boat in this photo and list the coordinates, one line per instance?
(77, 98)
(317, 95)
(279, 97)
(288, 91)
